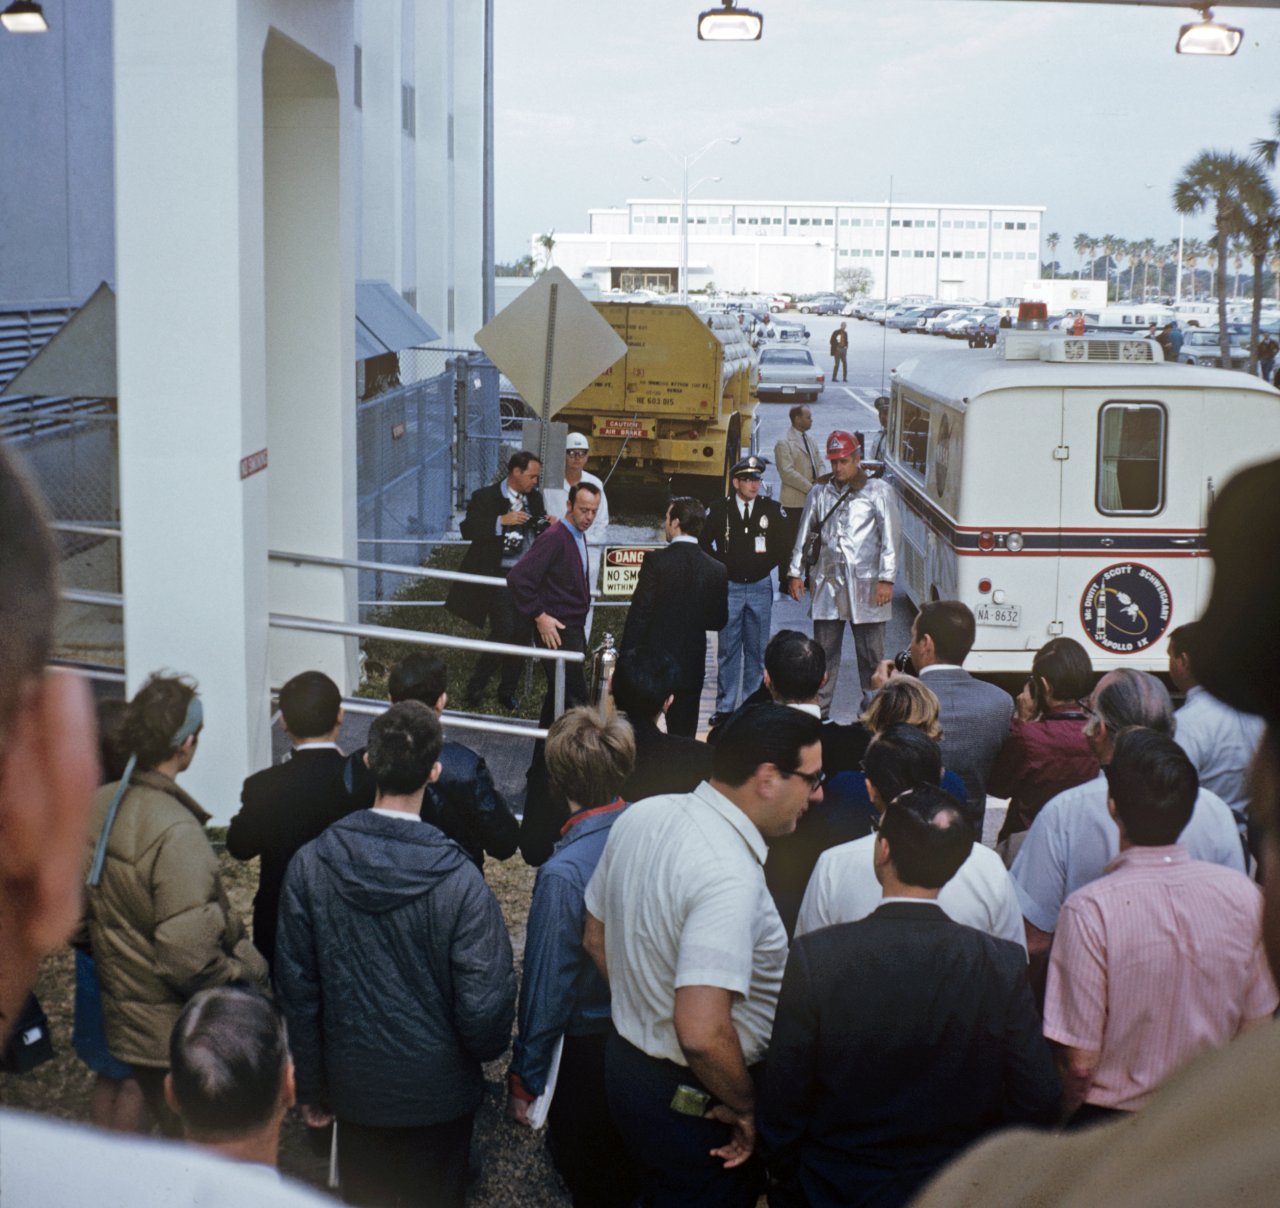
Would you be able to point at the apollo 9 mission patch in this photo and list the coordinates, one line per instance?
(1126, 607)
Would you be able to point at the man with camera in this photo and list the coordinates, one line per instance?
(847, 551)
(501, 522)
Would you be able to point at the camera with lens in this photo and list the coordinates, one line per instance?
(902, 661)
(537, 525)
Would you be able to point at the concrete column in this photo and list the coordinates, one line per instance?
(194, 370)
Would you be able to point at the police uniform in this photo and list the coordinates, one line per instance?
(750, 547)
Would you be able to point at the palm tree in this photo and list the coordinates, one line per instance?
(1275, 271)
(1093, 254)
(1133, 251)
(1109, 243)
(1238, 249)
(547, 243)
(1147, 252)
(1082, 243)
(1265, 150)
(1160, 255)
(1215, 178)
(1192, 253)
(1260, 228)
(1051, 241)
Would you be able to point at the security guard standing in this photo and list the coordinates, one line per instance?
(748, 534)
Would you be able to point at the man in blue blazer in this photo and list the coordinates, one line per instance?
(901, 1038)
(549, 586)
(975, 715)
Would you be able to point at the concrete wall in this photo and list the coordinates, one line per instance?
(56, 200)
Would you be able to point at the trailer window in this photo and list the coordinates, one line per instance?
(913, 437)
(1131, 457)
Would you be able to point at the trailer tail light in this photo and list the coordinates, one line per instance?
(984, 586)
(1013, 542)
(986, 541)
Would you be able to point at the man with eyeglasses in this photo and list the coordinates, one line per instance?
(903, 1037)
(681, 923)
(1074, 838)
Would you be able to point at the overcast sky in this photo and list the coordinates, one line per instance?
(1077, 107)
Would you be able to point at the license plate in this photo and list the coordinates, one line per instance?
(1009, 615)
(788, 390)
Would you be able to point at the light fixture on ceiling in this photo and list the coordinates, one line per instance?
(24, 17)
(730, 24)
(1207, 37)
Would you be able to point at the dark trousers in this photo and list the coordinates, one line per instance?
(419, 1167)
(682, 716)
(841, 356)
(572, 637)
(505, 625)
(671, 1150)
(585, 1145)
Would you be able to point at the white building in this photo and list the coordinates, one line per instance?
(947, 251)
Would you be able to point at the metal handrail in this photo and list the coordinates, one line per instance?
(462, 721)
(412, 637)
(82, 595)
(80, 526)
(390, 568)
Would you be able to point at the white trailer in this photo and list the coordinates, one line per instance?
(1061, 485)
(1062, 295)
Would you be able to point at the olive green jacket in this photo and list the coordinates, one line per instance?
(159, 922)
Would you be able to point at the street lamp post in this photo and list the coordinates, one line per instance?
(686, 162)
(1182, 219)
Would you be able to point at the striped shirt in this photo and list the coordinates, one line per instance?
(1152, 964)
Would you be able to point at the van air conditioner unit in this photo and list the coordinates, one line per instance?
(1086, 348)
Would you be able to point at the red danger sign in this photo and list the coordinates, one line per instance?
(621, 570)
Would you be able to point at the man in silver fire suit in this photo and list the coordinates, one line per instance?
(851, 578)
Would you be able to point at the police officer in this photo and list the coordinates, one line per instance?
(748, 533)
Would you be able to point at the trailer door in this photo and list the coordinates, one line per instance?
(1130, 527)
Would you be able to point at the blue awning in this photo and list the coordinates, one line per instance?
(385, 322)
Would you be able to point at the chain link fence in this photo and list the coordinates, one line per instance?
(70, 449)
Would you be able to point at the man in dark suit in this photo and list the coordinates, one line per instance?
(286, 806)
(681, 593)
(975, 715)
(549, 587)
(748, 534)
(501, 522)
(901, 1038)
(462, 801)
(643, 688)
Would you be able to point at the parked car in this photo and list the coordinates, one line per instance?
(1200, 347)
(788, 331)
(780, 302)
(789, 374)
(904, 320)
(937, 325)
(821, 304)
(927, 313)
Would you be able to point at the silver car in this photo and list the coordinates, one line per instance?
(789, 375)
(1200, 347)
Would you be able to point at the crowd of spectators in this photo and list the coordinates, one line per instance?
(779, 963)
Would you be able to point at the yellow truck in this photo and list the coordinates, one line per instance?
(678, 410)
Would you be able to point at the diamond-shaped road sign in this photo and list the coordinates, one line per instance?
(551, 342)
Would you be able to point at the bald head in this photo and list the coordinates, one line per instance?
(1123, 700)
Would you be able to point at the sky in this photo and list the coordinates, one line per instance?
(1082, 108)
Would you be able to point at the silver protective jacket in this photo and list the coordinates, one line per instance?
(859, 550)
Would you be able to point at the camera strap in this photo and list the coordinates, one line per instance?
(832, 511)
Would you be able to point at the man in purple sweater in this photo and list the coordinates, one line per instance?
(550, 586)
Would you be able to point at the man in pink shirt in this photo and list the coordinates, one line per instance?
(1161, 958)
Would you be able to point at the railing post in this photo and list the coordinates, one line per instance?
(559, 701)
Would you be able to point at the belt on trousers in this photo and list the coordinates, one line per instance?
(760, 579)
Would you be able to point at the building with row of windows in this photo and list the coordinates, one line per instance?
(947, 251)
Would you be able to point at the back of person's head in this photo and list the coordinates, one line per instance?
(1065, 664)
(229, 1062)
(689, 513)
(796, 665)
(157, 715)
(761, 734)
(310, 704)
(113, 753)
(590, 755)
(1185, 640)
(951, 626)
(521, 460)
(900, 758)
(28, 587)
(929, 836)
(404, 744)
(904, 700)
(1129, 698)
(421, 676)
(642, 680)
(1154, 785)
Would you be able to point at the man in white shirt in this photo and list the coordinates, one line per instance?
(681, 923)
(844, 887)
(1219, 740)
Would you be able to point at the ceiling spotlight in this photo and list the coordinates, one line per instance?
(729, 24)
(24, 17)
(1207, 37)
